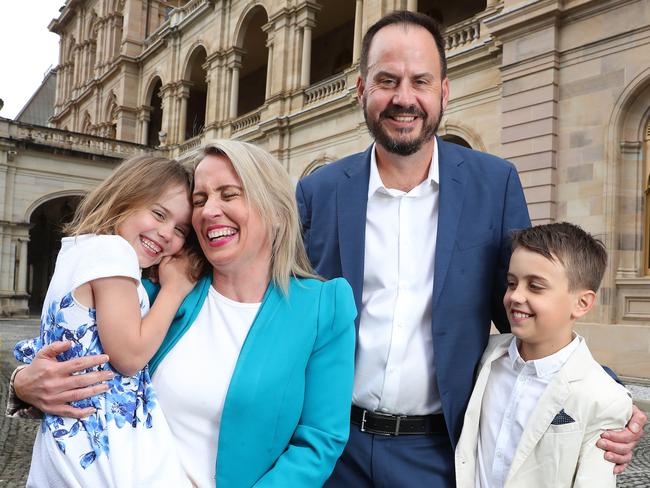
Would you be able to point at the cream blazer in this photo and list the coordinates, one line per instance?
(551, 455)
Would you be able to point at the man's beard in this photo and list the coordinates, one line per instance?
(396, 146)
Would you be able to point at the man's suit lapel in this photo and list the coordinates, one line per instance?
(450, 205)
(352, 202)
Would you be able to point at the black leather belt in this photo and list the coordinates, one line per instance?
(387, 424)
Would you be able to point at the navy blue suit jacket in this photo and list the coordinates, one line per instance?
(481, 201)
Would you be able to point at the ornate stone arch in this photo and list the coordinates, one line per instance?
(86, 123)
(149, 87)
(80, 192)
(110, 107)
(317, 163)
(69, 51)
(191, 55)
(91, 26)
(627, 173)
(451, 127)
(242, 23)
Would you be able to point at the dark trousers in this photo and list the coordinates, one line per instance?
(409, 461)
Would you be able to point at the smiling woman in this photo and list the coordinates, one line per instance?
(260, 341)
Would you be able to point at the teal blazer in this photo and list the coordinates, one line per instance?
(286, 417)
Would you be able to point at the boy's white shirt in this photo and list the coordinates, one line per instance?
(513, 389)
(553, 455)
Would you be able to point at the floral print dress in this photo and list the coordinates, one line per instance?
(126, 442)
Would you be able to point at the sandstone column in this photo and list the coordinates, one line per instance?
(358, 33)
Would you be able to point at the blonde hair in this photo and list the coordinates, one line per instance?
(134, 184)
(269, 190)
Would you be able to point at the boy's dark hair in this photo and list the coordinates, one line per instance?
(405, 18)
(583, 256)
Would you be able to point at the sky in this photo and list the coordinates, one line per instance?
(27, 50)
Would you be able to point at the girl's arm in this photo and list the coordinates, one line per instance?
(129, 339)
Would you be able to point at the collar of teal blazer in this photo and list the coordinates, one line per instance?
(188, 312)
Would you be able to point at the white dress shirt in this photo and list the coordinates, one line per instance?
(394, 370)
(511, 394)
(193, 397)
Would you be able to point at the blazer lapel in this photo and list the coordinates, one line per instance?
(271, 302)
(352, 203)
(550, 403)
(473, 412)
(450, 204)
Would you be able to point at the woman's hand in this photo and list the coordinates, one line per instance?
(49, 385)
(174, 271)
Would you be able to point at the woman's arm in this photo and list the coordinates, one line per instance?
(324, 425)
(130, 340)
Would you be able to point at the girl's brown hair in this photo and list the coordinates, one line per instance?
(134, 184)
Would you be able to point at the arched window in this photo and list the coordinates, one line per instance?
(87, 126)
(110, 124)
(92, 47)
(196, 75)
(155, 114)
(252, 77)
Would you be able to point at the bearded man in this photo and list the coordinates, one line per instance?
(420, 228)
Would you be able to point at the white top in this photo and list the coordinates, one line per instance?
(511, 394)
(199, 367)
(89, 257)
(394, 369)
(126, 442)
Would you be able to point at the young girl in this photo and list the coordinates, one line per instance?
(139, 217)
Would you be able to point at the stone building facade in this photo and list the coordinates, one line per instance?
(559, 87)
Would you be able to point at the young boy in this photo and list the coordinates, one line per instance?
(541, 401)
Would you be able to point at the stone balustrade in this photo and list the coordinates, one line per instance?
(325, 89)
(73, 141)
(246, 121)
(190, 144)
(462, 35)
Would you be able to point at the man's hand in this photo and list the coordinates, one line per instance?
(618, 445)
(49, 384)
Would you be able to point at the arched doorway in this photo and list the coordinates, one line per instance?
(196, 74)
(155, 114)
(45, 235)
(252, 77)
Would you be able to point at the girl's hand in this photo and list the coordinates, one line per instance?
(174, 272)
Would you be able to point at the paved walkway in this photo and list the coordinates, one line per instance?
(16, 436)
